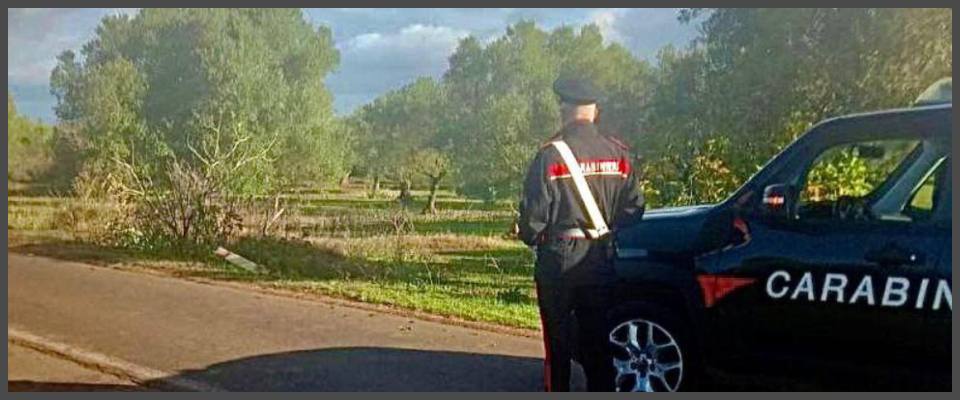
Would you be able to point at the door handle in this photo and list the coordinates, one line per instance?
(894, 254)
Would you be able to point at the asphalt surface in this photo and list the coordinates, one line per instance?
(31, 370)
(239, 340)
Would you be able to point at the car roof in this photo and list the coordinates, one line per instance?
(891, 119)
(902, 110)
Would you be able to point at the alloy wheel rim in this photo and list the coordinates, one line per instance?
(647, 357)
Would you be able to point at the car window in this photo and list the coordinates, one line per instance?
(842, 178)
(922, 200)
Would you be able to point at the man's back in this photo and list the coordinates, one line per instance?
(551, 213)
(572, 270)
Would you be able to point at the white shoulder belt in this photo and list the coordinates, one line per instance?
(580, 184)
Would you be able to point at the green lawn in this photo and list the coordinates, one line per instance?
(341, 243)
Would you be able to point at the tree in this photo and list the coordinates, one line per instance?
(757, 78)
(161, 81)
(181, 111)
(772, 73)
(501, 107)
(435, 165)
(29, 145)
(622, 78)
(495, 92)
(397, 127)
(704, 118)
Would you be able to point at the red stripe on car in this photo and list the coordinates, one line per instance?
(716, 287)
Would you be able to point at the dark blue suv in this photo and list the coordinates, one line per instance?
(831, 267)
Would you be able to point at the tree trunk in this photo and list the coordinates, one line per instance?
(405, 196)
(514, 230)
(345, 179)
(376, 186)
(431, 207)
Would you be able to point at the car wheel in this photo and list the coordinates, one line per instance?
(651, 351)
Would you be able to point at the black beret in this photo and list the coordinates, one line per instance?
(575, 91)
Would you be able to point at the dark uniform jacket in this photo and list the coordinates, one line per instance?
(551, 205)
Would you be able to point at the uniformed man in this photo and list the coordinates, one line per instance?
(573, 272)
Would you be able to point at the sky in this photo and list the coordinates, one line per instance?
(380, 49)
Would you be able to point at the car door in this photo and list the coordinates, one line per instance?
(834, 291)
(799, 314)
(901, 333)
(941, 323)
(928, 338)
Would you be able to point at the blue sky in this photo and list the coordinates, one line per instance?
(380, 49)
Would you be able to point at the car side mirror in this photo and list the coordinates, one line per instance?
(779, 201)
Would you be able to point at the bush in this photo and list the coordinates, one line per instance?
(90, 214)
(29, 145)
(189, 208)
(183, 208)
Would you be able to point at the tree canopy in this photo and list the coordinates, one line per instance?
(245, 89)
(703, 117)
(199, 84)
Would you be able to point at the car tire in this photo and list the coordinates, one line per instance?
(673, 343)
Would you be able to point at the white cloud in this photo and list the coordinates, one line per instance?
(374, 62)
(413, 37)
(362, 41)
(606, 20)
(643, 30)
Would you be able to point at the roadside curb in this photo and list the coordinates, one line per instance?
(147, 377)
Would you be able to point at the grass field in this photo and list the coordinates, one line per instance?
(338, 242)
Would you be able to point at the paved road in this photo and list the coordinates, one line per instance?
(31, 370)
(242, 340)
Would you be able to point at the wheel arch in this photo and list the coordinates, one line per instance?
(665, 285)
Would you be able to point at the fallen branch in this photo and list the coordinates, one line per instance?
(238, 260)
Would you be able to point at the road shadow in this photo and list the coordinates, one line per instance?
(67, 250)
(374, 369)
(34, 386)
(377, 369)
